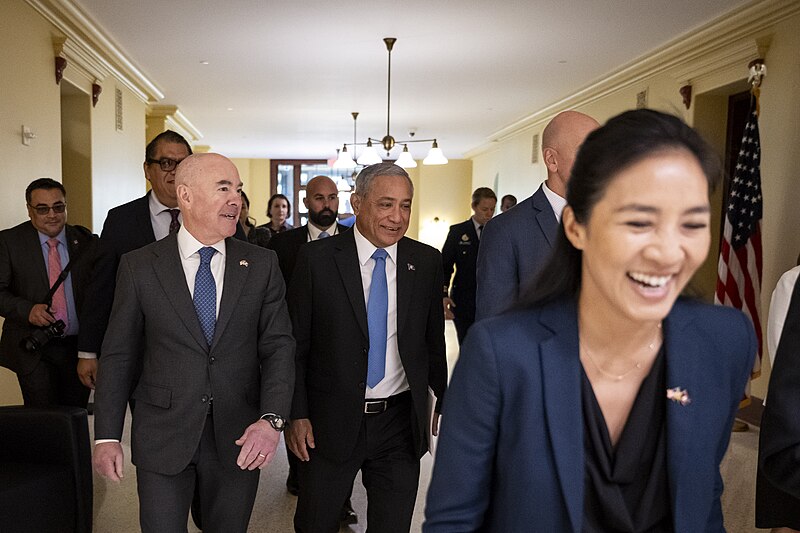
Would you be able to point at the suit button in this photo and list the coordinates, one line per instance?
(211, 360)
(365, 351)
(362, 385)
(204, 398)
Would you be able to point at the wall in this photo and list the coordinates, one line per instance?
(508, 155)
(443, 192)
(255, 177)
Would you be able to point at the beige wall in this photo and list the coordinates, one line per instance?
(509, 159)
(255, 177)
(443, 192)
(31, 97)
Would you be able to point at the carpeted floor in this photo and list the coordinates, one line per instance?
(116, 506)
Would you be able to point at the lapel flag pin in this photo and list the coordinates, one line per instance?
(679, 395)
(410, 266)
(244, 263)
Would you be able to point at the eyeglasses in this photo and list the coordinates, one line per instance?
(43, 210)
(166, 164)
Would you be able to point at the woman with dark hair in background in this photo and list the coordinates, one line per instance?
(278, 209)
(255, 235)
(603, 402)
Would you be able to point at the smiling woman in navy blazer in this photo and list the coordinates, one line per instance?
(603, 402)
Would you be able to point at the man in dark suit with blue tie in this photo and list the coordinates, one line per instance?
(516, 245)
(32, 257)
(204, 317)
(366, 311)
(460, 250)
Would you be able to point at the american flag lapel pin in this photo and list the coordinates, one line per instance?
(679, 396)
(410, 266)
(244, 263)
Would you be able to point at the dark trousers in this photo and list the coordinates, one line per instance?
(226, 493)
(389, 466)
(462, 320)
(54, 381)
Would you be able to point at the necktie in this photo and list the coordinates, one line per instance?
(205, 294)
(323, 235)
(59, 304)
(377, 309)
(175, 224)
(480, 231)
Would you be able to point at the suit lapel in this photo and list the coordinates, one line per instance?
(685, 422)
(235, 276)
(561, 377)
(346, 258)
(143, 219)
(406, 275)
(545, 216)
(169, 271)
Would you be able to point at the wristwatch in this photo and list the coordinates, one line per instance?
(277, 422)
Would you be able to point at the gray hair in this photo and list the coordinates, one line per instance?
(368, 175)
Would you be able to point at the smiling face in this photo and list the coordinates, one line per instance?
(382, 215)
(209, 196)
(163, 183)
(51, 223)
(644, 239)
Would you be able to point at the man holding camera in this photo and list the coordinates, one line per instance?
(44, 265)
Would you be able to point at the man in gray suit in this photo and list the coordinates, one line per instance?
(516, 244)
(214, 389)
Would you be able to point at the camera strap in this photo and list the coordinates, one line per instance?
(61, 277)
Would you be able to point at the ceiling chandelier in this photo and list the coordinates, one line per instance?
(370, 155)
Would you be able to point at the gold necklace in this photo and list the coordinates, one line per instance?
(620, 377)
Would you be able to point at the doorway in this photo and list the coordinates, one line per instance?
(76, 153)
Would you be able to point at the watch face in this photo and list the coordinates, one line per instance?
(277, 422)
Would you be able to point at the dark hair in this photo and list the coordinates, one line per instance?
(47, 184)
(509, 197)
(481, 193)
(623, 141)
(245, 199)
(168, 136)
(278, 197)
(368, 174)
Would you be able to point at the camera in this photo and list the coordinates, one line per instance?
(42, 336)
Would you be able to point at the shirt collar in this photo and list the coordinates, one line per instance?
(314, 231)
(62, 237)
(556, 202)
(366, 249)
(188, 245)
(156, 207)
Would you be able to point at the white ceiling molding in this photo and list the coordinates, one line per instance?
(88, 48)
(175, 120)
(730, 38)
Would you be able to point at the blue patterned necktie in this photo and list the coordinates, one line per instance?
(377, 310)
(205, 294)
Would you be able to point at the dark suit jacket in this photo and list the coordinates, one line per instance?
(326, 300)
(460, 250)
(24, 282)
(779, 447)
(127, 227)
(512, 428)
(515, 246)
(249, 369)
(288, 243)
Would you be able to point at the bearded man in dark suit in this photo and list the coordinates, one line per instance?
(367, 315)
(32, 256)
(214, 389)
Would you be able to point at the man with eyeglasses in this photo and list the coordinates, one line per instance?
(39, 339)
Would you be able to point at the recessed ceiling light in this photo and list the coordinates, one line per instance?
(230, 109)
(204, 62)
(562, 62)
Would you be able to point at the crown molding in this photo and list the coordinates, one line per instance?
(738, 36)
(87, 47)
(174, 120)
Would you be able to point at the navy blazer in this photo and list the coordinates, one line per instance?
(460, 251)
(510, 454)
(515, 247)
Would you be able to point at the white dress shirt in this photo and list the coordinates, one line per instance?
(556, 202)
(394, 380)
(313, 231)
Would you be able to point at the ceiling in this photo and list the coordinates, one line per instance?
(282, 77)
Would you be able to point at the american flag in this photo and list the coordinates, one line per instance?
(739, 269)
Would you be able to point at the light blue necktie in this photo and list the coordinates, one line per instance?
(205, 294)
(377, 309)
(323, 235)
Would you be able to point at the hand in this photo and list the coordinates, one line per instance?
(435, 424)
(108, 460)
(449, 305)
(87, 372)
(40, 316)
(259, 442)
(299, 435)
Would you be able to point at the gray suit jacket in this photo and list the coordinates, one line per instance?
(248, 370)
(515, 247)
